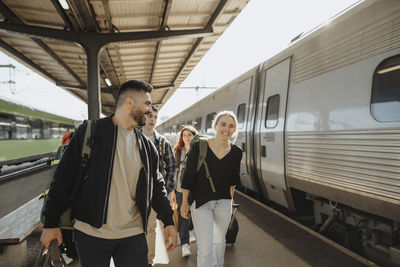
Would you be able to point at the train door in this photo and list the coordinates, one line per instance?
(269, 139)
(241, 108)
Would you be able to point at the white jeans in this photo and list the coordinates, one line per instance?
(211, 222)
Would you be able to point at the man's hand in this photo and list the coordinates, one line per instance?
(170, 232)
(49, 234)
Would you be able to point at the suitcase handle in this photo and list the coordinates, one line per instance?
(234, 210)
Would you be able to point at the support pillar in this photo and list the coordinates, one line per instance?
(93, 82)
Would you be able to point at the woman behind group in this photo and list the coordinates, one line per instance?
(211, 210)
(180, 149)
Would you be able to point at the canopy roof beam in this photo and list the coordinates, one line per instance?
(100, 39)
(27, 60)
(84, 30)
(163, 26)
(63, 14)
(107, 11)
(10, 16)
(104, 90)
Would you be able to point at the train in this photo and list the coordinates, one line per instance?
(319, 126)
(28, 134)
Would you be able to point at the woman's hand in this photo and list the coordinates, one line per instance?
(173, 196)
(232, 191)
(185, 210)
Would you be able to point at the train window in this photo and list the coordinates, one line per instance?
(36, 126)
(241, 112)
(197, 123)
(5, 126)
(385, 99)
(271, 120)
(22, 127)
(19, 119)
(47, 130)
(22, 131)
(209, 120)
(56, 131)
(5, 131)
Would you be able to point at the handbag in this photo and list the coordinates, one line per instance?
(53, 257)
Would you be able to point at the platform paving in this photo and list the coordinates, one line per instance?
(266, 239)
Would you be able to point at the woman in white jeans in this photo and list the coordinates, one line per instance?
(212, 194)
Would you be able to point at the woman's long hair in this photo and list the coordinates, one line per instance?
(180, 144)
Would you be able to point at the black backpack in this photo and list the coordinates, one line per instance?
(66, 220)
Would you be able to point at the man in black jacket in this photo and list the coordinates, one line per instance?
(113, 202)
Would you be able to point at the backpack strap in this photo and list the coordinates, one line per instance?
(85, 154)
(162, 151)
(57, 156)
(203, 143)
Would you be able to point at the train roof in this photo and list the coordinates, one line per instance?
(333, 44)
(16, 108)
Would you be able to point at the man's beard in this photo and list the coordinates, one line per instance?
(138, 117)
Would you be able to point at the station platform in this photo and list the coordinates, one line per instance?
(265, 238)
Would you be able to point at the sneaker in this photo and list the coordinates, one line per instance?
(67, 259)
(185, 250)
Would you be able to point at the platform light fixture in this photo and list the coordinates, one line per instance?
(388, 69)
(64, 4)
(107, 81)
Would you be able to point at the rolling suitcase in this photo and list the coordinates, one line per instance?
(233, 227)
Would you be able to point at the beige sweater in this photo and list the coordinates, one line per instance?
(123, 217)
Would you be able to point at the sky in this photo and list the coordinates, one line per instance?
(261, 30)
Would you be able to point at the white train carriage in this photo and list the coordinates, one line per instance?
(320, 121)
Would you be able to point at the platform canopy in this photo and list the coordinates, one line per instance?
(90, 47)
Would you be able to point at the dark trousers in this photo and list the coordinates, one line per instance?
(183, 226)
(97, 252)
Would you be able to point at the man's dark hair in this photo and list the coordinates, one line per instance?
(134, 85)
(154, 108)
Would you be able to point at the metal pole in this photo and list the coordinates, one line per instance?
(93, 82)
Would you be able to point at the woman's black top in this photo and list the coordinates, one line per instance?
(225, 173)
